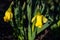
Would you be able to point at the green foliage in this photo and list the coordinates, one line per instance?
(20, 16)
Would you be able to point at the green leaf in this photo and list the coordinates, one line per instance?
(54, 26)
(58, 23)
(29, 32)
(43, 8)
(29, 12)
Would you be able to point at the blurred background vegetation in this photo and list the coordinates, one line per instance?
(48, 8)
(23, 12)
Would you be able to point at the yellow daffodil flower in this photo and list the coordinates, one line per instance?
(8, 15)
(39, 20)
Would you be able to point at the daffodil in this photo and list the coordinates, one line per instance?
(39, 20)
(8, 15)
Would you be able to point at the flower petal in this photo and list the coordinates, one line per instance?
(45, 19)
(39, 21)
(33, 18)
